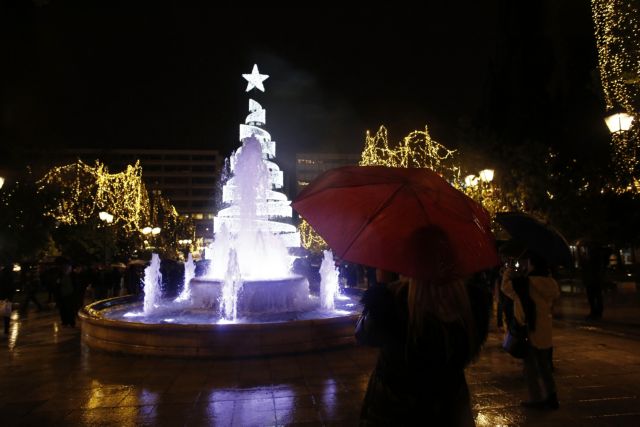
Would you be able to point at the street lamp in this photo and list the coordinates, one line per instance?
(107, 218)
(486, 175)
(480, 188)
(1, 181)
(470, 181)
(186, 246)
(619, 122)
(154, 231)
(151, 230)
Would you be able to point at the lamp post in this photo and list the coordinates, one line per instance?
(480, 188)
(186, 246)
(153, 231)
(486, 175)
(107, 218)
(625, 151)
(619, 122)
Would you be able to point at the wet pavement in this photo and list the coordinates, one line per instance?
(47, 377)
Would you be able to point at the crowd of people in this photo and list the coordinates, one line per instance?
(65, 286)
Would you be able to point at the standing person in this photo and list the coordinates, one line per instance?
(533, 296)
(66, 295)
(31, 286)
(48, 277)
(7, 289)
(504, 310)
(594, 259)
(427, 335)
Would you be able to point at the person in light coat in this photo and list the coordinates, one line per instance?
(533, 295)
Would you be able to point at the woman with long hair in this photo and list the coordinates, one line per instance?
(428, 329)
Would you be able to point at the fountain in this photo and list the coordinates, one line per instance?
(248, 303)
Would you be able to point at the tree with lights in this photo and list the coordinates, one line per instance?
(83, 192)
(311, 240)
(416, 150)
(173, 226)
(617, 31)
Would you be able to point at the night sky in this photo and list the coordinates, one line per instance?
(81, 75)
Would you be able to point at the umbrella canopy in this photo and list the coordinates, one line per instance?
(368, 215)
(537, 236)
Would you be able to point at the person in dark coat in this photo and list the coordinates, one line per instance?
(593, 261)
(428, 330)
(7, 289)
(30, 286)
(66, 295)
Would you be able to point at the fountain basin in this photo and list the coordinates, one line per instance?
(257, 296)
(193, 333)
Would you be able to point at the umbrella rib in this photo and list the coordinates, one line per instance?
(424, 208)
(383, 204)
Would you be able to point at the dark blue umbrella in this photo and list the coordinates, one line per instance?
(537, 236)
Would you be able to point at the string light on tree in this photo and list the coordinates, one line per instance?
(85, 190)
(310, 239)
(617, 31)
(416, 150)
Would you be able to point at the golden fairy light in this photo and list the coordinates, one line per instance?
(617, 33)
(416, 150)
(310, 239)
(84, 190)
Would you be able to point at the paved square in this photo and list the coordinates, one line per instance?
(48, 378)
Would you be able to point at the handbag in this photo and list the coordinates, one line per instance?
(516, 341)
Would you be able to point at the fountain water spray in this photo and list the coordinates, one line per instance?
(328, 282)
(260, 253)
(231, 288)
(152, 284)
(189, 273)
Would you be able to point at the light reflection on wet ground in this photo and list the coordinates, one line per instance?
(48, 378)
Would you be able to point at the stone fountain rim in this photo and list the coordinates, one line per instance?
(231, 340)
(93, 313)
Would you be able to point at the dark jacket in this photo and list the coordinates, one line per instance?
(7, 285)
(421, 383)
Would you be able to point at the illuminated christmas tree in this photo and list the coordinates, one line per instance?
(274, 211)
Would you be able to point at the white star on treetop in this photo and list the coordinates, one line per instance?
(255, 79)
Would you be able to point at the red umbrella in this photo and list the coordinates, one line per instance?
(367, 215)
